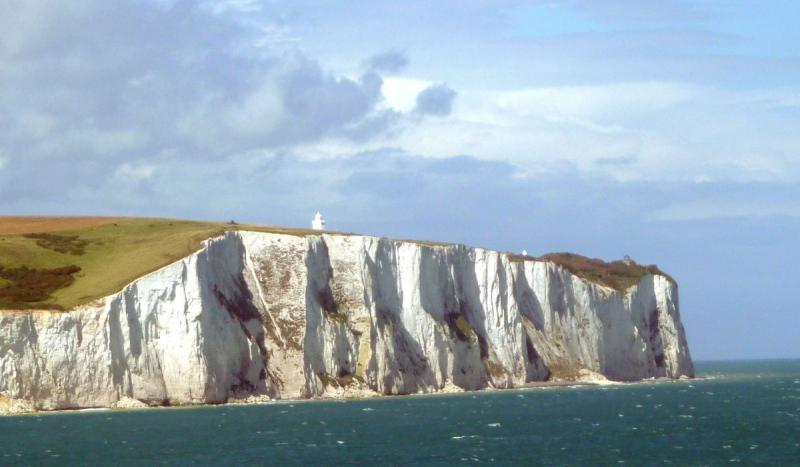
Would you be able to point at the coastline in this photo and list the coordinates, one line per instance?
(16, 407)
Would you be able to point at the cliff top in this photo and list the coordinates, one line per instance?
(62, 262)
(617, 275)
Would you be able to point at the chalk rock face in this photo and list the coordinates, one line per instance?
(283, 316)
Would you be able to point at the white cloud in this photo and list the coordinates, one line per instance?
(634, 131)
(401, 93)
(597, 102)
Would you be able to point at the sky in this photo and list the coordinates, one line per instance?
(666, 130)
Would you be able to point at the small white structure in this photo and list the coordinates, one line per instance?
(524, 252)
(627, 260)
(318, 223)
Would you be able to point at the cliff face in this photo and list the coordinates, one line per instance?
(293, 317)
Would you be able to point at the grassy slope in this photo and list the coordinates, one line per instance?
(614, 274)
(121, 249)
(28, 224)
(118, 252)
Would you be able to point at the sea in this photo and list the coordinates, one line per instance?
(743, 412)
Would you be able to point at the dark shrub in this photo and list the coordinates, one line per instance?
(71, 244)
(27, 287)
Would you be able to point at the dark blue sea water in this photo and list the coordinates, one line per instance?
(738, 412)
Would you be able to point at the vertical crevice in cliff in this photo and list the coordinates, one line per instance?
(133, 320)
(535, 367)
(236, 359)
(116, 346)
(527, 301)
(328, 349)
(471, 299)
(469, 296)
(405, 368)
(454, 345)
(656, 344)
(532, 317)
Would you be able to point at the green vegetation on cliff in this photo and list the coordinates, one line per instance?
(59, 269)
(619, 275)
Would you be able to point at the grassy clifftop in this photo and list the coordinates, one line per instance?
(62, 262)
(59, 263)
(617, 275)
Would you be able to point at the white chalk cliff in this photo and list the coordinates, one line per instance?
(286, 317)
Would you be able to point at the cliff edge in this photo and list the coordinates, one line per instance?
(255, 315)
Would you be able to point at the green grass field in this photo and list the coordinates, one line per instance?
(34, 269)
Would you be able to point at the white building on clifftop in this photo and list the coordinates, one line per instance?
(318, 223)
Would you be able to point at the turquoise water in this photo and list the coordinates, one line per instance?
(740, 412)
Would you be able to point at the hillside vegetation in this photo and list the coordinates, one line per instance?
(617, 275)
(45, 266)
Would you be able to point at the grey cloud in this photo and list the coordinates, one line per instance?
(88, 86)
(384, 122)
(436, 99)
(318, 103)
(391, 61)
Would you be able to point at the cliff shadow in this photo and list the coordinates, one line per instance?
(439, 299)
(223, 288)
(471, 308)
(325, 319)
(405, 367)
(532, 314)
(527, 301)
(136, 366)
(624, 349)
(120, 374)
(644, 312)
